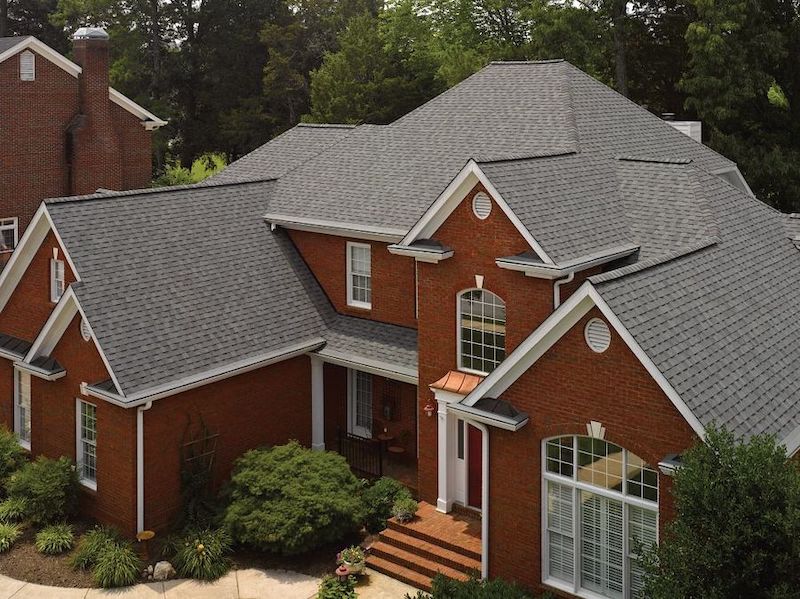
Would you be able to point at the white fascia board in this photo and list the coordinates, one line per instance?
(792, 442)
(45, 51)
(453, 195)
(543, 271)
(470, 413)
(420, 254)
(739, 175)
(552, 329)
(384, 369)
(340, 229)
(39, 373)
(149, 120)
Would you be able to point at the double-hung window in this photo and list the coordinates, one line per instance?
(22, 407)
(600, 506)
(482, 331)
(57, 281)
(9, 234)
(87, 443)
(359, 275)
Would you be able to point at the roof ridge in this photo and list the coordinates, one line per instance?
(523, 156)
(541, 61)
(653, 159)
(630, 269)
(324, 125)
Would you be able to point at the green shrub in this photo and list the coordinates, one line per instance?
(379, 498)
(333, 588)
(12, 456)
(91, 545)
(203, 554)
(404, 509)
(55, 539)
(474, 588)
(48, 487)
(289, 500)
(117, 565)
(12, 510)
(8, 534)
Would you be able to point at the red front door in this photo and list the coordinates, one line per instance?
(474, 467)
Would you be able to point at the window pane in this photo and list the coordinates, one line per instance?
(560, 456)
(642, 481)
(360, 274)
(643, 531)
(601, 545)
(23, 424)
(561, 550)
(364, 401)
(88, 444)
(482, 330)
(600, 463)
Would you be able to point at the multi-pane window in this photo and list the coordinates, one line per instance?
(361, 404)
(8, 234)
(601, 505)
(482, 330)
(22, 407)
(57, 281)
(359, 275)
(87, 443)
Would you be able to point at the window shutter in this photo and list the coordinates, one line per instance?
(27, 66)
(561, 550)
(642, 528)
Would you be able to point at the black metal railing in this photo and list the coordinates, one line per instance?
(363, 455)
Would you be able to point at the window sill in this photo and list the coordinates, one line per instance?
(471, 371)
(26, 445)
(90, 485)
(565, 587)
(359, 306)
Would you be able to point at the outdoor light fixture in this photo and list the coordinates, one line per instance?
(429, 409)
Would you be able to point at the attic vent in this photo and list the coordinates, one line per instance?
(86, 331)
(597, 335)
(27, 66)
(481, 205)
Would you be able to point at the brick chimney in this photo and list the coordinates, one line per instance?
(93, 143)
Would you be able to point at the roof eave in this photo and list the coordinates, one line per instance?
(495, 420)
(557, 271)
(337, 228)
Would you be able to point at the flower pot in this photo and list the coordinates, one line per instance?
(355, 567)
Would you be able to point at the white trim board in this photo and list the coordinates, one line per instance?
(338, 228)
(453, 195)
(551, 330)
(384, 369)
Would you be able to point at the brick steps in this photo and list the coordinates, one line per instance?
(430, 551)
(416, 580)
(434, 540)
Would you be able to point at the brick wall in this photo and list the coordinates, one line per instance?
(568, 387)
(392, 277)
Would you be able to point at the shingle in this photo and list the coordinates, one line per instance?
(6, 43)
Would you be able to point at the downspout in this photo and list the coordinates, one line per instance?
(140, 464)
(484, 497)
(557, 288)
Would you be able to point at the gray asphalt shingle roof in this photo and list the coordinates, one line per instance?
(6, 43)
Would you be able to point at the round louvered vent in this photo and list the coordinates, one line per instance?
(481, 205)
(86, 332)
(598, 335)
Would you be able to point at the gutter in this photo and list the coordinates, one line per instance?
(47, 375)
(391, 371)
(537, 269)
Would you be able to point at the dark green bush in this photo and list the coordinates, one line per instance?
(55, 539)
(289, 499)
(12, 510)
(333, 588)
(8, 534)
(117, 565)
(12, 456)
(203, 554)
(48, 487)
(379, 498)
(475, 588)
(91, 545)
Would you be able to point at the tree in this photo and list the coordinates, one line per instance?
(737, 528)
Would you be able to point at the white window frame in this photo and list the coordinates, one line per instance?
(20, 379)
(57, 285)
(351, 245)
(22, 75)
(623, 497)
(459, 352)
(79, 441)
(10, 224)
(352, 404)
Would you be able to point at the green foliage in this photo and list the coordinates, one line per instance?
(8, 534)
(333, 588)
(404, 509)
(117, 565)
(12, 456)
(737, 530)
(48, 487)
(55, 539)
(91, 545)
(202, 554)
(274, 509)
(379, 498)
(475, 588)
(202, 168)
(12, 510)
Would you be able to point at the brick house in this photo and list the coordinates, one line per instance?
(64, 131)
(525, 298)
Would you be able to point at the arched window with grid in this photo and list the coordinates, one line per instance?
(481, 330)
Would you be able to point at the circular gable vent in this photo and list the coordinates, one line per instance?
(598, 335)
(481, 205)
(86, 332)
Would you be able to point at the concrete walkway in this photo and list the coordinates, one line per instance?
(237, 584)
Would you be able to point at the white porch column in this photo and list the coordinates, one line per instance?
(444, 501)
(317, 404)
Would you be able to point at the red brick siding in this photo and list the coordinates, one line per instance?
(268, 406)
(135, 147)
(7, 393)
(392, 277)
(568, 387)
(30, 305)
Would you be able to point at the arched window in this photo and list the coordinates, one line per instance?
(600, 502)
(481, 330)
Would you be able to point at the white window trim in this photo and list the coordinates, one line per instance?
(54, 281)
(13, 224)
(17, 390)
(349, 255)
(461, 368)
(22, 55)
(576, 486)
(90, 484)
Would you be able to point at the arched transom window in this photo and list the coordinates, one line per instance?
(482, 330)
(601, 502)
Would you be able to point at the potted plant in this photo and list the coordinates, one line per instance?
(354, 558)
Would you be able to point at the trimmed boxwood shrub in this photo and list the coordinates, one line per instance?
(379, 498)
(48, 487)
(12, 456)
(288, 499)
